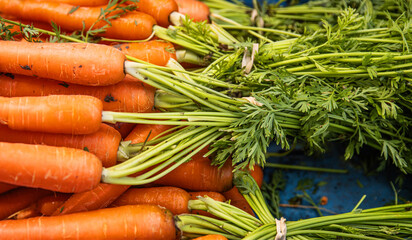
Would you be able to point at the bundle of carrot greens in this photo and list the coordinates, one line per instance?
(389, 222)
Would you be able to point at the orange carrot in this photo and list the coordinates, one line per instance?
(155, 51)
(4, 187)
(76, 114)
(214, 195)
(196, 10)
(104, 143)
(81, 63)
(28, 212)
(237, 199)
(104, 194)
(123, 128)
(48, 204)
(126, 222)
(129, 95)
(81, 2)
(172, 198)
(55, 168)
(140, 132)
(199, 175)
(18, 199)
(133, 25)
(158, 9)
(211, 237)
(100, 197)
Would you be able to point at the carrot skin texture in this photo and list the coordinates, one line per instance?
(76, 114)
(82, 2)
(141, 132)
(18, 199)
(211, 237)
(138, 222)
(196, 10)
(129, 95)
(199, 175)
(48, 204)
(103, 143)
(172, 198)
(100, 197)
(158, 9)
(54, 168)
(81, 63)
(123, 128)
(133, 25)
(155, 51)
(4, 187)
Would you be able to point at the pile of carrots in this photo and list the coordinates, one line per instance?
(53, 144)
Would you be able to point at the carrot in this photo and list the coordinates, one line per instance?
(237, 199)
(81, 2)
(4, 187)
(100, 197)
(143, 132)
(76, 114)
(211, 237)
(18, 199)
(55, 168)
(104, 194)
(130, 26)
(48, 204)
(126, 222)
(172, 198)
(160, 10)
(155, 51)
(214, 195)
(123, 128)
(129, 95)
(196, 10)
(81, 63)
(28, 212)
(199, 175)
(104, 143)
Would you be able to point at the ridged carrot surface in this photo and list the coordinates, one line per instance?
(140, 222)
(99, 197)
(143, 132)
(196, 10)
(81, 63)
(199, 175)
(104, 143)
(130, 26)
(172, 198)
(82, 2)
(155, 51)
(129, 95)
(48, 204)
(76, 114)
(54, 168)
(158, 9)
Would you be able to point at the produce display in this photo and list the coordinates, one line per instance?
(149, 119)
